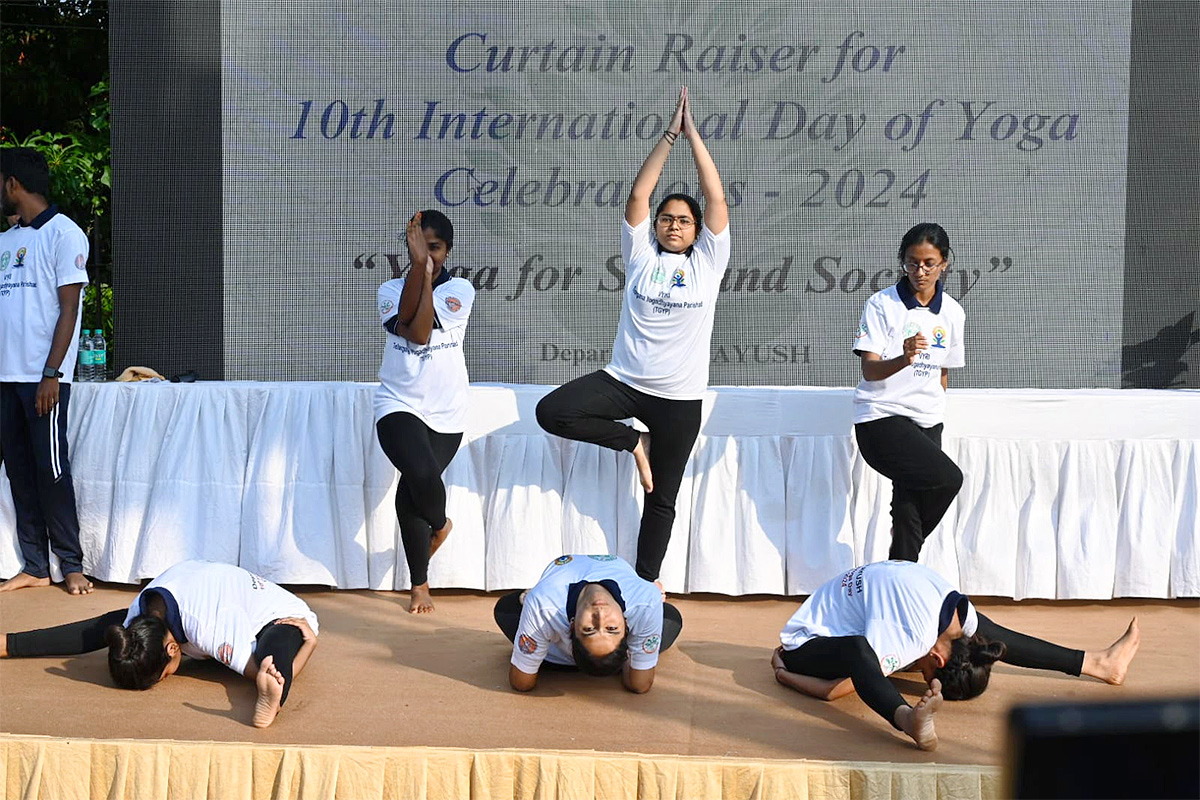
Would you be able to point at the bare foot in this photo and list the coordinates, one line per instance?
(77, 583)
(420, 601)
(439, 536)
(777, 663)
(1112, 664)
(661, 590)
(270, 693)
(641, 455)
(23, 580)
(917, 721)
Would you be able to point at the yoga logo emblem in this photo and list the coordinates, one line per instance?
(526, 644)
(650, 645)
(20, 262)
(677, 279)
(889, 663)
(558, 562)
(386, 306)
(453, 303)
(225, 653)
(939, 336)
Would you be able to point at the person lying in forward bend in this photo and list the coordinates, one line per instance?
(200, 609)
(863, 625)
(591, 612)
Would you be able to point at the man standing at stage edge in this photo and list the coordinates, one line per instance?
(43, 272)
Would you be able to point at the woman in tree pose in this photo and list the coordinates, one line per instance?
(674, 262)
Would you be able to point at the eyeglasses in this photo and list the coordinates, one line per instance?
(666, 220)
(925, 266)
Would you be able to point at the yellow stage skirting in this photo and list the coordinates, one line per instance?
(46, 768)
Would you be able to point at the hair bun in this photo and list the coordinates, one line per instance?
(118, 639)
(990, 652)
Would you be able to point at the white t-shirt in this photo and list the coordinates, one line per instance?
(665, 334)
(544, 632)
(220, 608)
(427, 380)
(888, 318)
(896, 605)
(34, 262)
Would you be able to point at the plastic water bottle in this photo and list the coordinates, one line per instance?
(86, 356)
(99, 356)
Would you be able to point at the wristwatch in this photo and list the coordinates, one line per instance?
(51, 372)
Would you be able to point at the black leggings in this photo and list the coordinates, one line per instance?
(86, 636)
(508, 617)
(421, 455)
(586, 410)
(924, 479)
(835, 657)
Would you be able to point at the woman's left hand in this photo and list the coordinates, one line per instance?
(301, 623)
(689, 124)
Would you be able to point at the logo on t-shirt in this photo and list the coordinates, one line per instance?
(256, 582)
(4, 259)
(939, 337)
(862, 330)
(453, 303)
(603, 558)
(558, 562)
(386, 306)
(650, 645)
(526, 644)
(80, 261)
(911, 329)
(225, 653)
(889, 663)
(20, 262)
(658, 275)
(677, 278)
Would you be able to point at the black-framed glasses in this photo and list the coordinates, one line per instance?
(668, 220)
(924, 266)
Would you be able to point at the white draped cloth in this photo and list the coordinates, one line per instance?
(1088, 494)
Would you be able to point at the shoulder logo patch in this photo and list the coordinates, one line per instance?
(453, 303)
(558, 562)
(225, 653)
(386, 306)
(650, 645)
(526, 644)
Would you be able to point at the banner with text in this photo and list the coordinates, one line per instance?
(836, 126)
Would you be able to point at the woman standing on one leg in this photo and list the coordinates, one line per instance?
(909, 337)
(421, 404)
(674, 262)
(865, 624)
(198, 609)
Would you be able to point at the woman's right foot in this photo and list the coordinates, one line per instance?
(917, 721)
(270, 693)
(439, 536)
(641, 455)
(420, 601)
(1111, 665)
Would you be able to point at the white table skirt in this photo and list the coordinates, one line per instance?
(1085, 494)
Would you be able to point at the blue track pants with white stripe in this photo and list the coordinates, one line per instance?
(34, 450)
